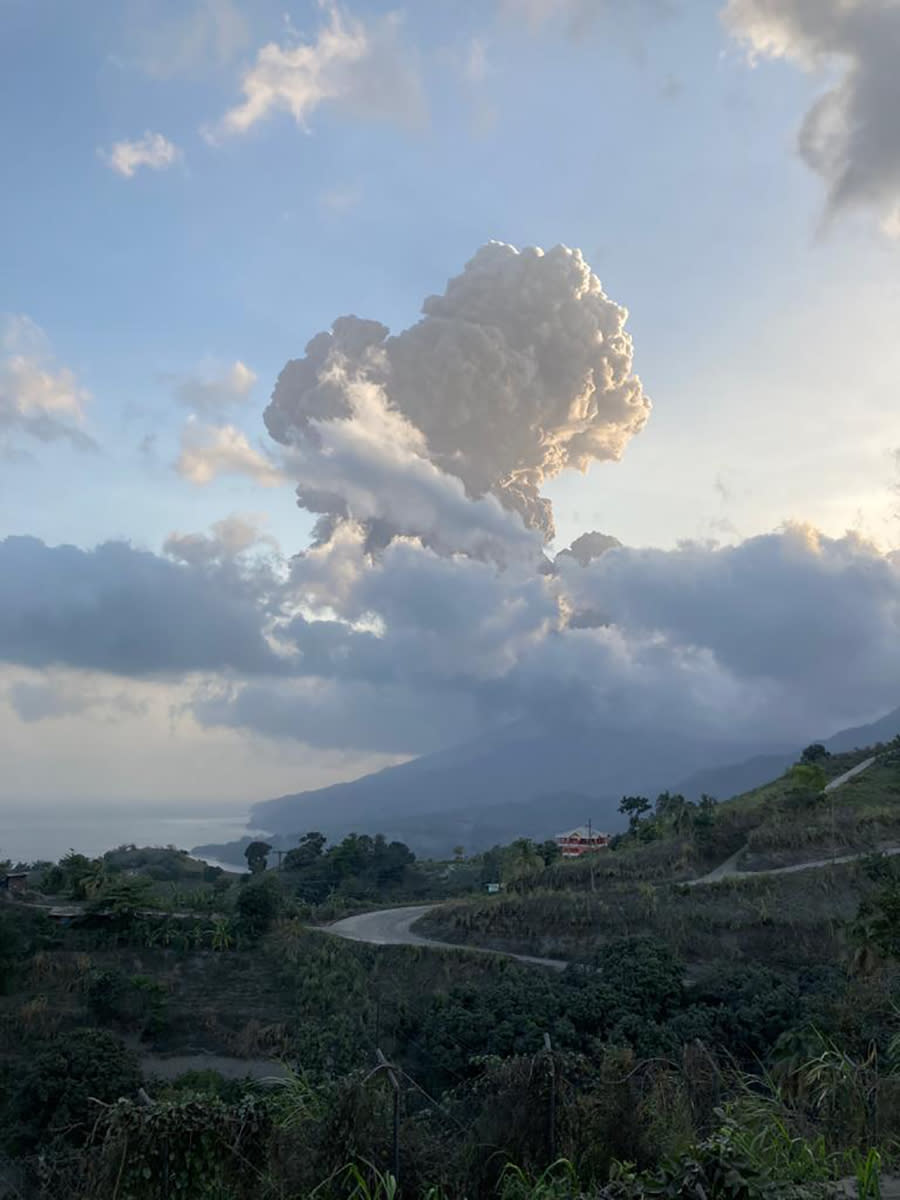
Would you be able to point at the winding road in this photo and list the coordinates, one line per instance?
(393, 927)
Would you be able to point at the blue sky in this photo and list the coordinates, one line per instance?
(657, 150)
(765, 339)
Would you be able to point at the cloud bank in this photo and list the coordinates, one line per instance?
(128, 612)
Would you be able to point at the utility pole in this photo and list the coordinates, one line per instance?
(281, 854)
(591, 853)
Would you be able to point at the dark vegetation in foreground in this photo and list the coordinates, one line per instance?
(736, 1040)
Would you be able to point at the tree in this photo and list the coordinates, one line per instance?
(674, 810)
(306, 853)
(521, 859)
(258, 904)
(634, 808)
(549, 851)
(82, 875)
(123, 896)
(459, 853)
(256, 855)
(814, 753)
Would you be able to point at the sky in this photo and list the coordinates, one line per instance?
(705, 370)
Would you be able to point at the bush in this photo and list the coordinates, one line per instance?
(259, 902)
(50, 1101)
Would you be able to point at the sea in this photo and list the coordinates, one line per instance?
(44, 830)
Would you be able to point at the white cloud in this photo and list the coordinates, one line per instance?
(361, 67)
(850, 136)
(208, 451)
(213, 391)
(38, 398)
(152, 150)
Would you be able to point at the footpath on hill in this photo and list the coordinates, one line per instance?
(729, 868)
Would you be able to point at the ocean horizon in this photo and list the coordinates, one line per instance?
(46, 830)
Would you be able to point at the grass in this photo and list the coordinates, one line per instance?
(866, 815)
(787, 920)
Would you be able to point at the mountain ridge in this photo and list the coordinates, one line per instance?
(523, 782)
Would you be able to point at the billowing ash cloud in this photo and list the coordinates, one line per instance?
(851, 135)
(521, 369)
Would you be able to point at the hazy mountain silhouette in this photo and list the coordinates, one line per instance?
(525, 782)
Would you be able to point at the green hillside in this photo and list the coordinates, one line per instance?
(648, 882)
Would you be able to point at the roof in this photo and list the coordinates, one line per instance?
(584, 832)
(15, 875)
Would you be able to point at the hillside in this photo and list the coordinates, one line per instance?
(641, 886)
(525, 782)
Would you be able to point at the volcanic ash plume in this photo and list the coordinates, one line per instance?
(520, 370)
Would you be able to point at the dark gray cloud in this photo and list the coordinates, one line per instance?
(780, 637)
(127, 612)
(851, 135)
(815, 618)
